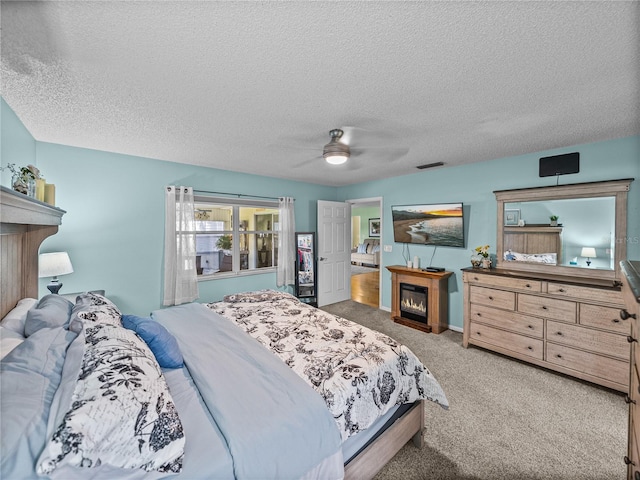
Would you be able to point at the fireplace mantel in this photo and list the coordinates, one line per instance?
(437, 296)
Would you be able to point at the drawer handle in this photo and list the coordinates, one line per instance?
(624, 314)
(479, 314)
(615, 320)
(559, 333)
(528, 286)
(559, 356)
(529, 347)
(627, 399)
(562, 290)
(544, 308)
(530, 326)
(630, 339)
(490, 297)
(628, 461)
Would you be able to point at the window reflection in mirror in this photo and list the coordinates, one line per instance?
(583, 222)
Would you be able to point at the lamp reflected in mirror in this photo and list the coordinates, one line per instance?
(588, 253)
(52, 265)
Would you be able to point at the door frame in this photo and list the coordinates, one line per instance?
(380, 201)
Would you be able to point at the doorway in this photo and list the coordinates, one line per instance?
(366, 244)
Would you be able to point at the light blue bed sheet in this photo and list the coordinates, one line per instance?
(275, 425)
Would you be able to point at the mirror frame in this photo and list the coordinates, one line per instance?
(611, 188)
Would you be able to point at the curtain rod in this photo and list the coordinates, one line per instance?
(236, 194)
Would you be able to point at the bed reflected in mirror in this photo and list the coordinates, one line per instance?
(580, 223)
(577, 230)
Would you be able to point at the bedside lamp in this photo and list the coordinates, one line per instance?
(589, 253)
(52, 265)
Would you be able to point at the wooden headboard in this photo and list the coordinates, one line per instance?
(534, 239)
(24, 224)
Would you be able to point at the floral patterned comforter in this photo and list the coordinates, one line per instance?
(360, 373)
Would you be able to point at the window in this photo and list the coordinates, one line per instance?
(235, 236)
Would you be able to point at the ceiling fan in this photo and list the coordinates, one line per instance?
(372, 147)
(335, 152)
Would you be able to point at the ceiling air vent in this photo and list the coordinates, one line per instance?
(430, 165)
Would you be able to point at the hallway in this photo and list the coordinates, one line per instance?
(365, 288)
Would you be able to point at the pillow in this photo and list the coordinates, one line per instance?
(14, 320)
(549, 258)
(163, 345)
(259, 296)
(96, 308)
(8, 340)
(52, 311)
(362, 248)
(121, 413)
(30, 377)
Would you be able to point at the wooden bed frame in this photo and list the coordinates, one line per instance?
(26, 222)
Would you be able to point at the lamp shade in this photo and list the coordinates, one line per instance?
(589, 252)
(54, 264)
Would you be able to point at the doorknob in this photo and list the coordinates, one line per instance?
(321, 259)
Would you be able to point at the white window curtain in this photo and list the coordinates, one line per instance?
(180, 276)
(286, 243)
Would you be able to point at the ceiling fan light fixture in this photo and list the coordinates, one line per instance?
(336, 158)
(334, 152)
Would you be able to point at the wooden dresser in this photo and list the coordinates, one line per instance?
(550, 321)
(631, 311)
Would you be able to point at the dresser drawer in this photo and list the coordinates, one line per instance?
(515, 322)
(588, 339)
(548, 307)
(607, 318)
(508, 282)
(495, 298)
(511, 341)
(585, 293)
(590, 363)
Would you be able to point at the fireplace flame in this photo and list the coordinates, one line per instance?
(409, 304)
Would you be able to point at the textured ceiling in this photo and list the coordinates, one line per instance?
(256, 86)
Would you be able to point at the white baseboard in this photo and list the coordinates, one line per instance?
(386, 309)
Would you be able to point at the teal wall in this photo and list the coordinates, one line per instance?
(365, 213)
(474, 185)
(17, 145)
(114, 226)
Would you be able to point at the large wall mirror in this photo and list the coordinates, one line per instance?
(577, 230)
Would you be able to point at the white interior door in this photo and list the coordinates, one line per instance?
(334, 252)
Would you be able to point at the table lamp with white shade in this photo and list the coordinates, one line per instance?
(588, 253)
(52, 265)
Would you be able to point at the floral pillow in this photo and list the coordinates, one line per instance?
(259, 296)
(97, 308)
(121, 413)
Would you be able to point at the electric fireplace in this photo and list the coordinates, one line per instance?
(413, 302)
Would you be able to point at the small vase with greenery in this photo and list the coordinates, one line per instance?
(554, 220)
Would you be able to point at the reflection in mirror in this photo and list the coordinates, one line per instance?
(582, 223)
(589, 215)
(305, 265)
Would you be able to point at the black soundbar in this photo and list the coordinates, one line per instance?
(434, 269)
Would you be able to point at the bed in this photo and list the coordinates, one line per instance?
(151, 397)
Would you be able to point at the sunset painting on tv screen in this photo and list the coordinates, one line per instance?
(434, 224)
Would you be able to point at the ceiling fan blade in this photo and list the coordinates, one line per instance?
(389, 154)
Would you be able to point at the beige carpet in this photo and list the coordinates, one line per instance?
(507, 419)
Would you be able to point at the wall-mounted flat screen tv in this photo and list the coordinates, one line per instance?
(440, 224)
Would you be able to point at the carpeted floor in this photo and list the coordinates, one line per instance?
(507, 420)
